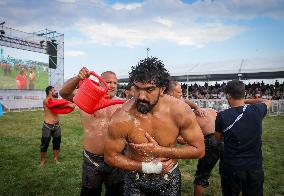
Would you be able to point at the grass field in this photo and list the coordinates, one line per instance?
(19, 147)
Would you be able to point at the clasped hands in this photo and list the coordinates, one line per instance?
(153, 149)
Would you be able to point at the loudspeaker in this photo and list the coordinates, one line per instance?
(52, 62)
(51, 48)
(52, 52)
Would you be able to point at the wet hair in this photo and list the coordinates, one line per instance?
(236, 89)
(150, 70)
(48, 89)
(171, 86)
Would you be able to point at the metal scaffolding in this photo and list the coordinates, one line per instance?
(38, 42)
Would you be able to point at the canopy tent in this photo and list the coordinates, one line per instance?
(260, 68)
(220, 77)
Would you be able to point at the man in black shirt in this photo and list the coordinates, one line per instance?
(241, 128)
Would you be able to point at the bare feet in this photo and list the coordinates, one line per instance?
(42, 159)
(55, 156)
(56, 161)
(42, 163)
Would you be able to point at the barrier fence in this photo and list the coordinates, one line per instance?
(27, 103)
(222, 104)
(22, 100)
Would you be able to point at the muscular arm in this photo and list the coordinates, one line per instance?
(114, 145)
(192, 135)
(191, 104)
(200, 112)
(268, 103)
(68, 88)
(67, 91)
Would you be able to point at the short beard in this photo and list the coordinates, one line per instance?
(55, 96)
(144, 107)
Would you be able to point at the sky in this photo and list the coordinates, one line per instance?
(115, 34)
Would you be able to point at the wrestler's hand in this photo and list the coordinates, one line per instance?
(83, 73)
(151, 148)
(180, 140)
(167, 163)
(71, 105)
(201, 112)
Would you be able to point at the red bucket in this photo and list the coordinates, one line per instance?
(90, 93)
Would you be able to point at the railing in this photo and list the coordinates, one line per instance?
(217, 104)
(22, 105)
(222, 104)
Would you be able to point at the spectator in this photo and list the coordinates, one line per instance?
(217, 91)
(241, 128)
(21, 79)
(32, 77)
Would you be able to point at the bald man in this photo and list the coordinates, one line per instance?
(174, 89)
(206, 120)
(95, 171)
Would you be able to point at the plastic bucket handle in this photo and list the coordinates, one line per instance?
(100, 79)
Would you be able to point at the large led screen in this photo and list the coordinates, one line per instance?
(20, 69)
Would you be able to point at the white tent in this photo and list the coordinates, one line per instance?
(258, 68)
(272, 64)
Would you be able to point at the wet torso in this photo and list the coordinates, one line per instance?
(95, 128)
(160, 125)
(49, 117)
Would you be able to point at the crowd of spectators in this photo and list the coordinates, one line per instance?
(253, 90)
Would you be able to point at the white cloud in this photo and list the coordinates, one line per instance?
(133, 24)
(97, 1)
(74, 53)
(199, 36)
(163, 21)
(129, 6)
(238, 9)
(66, 1)
(132, 35)
(75, 42)
(108, 34)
